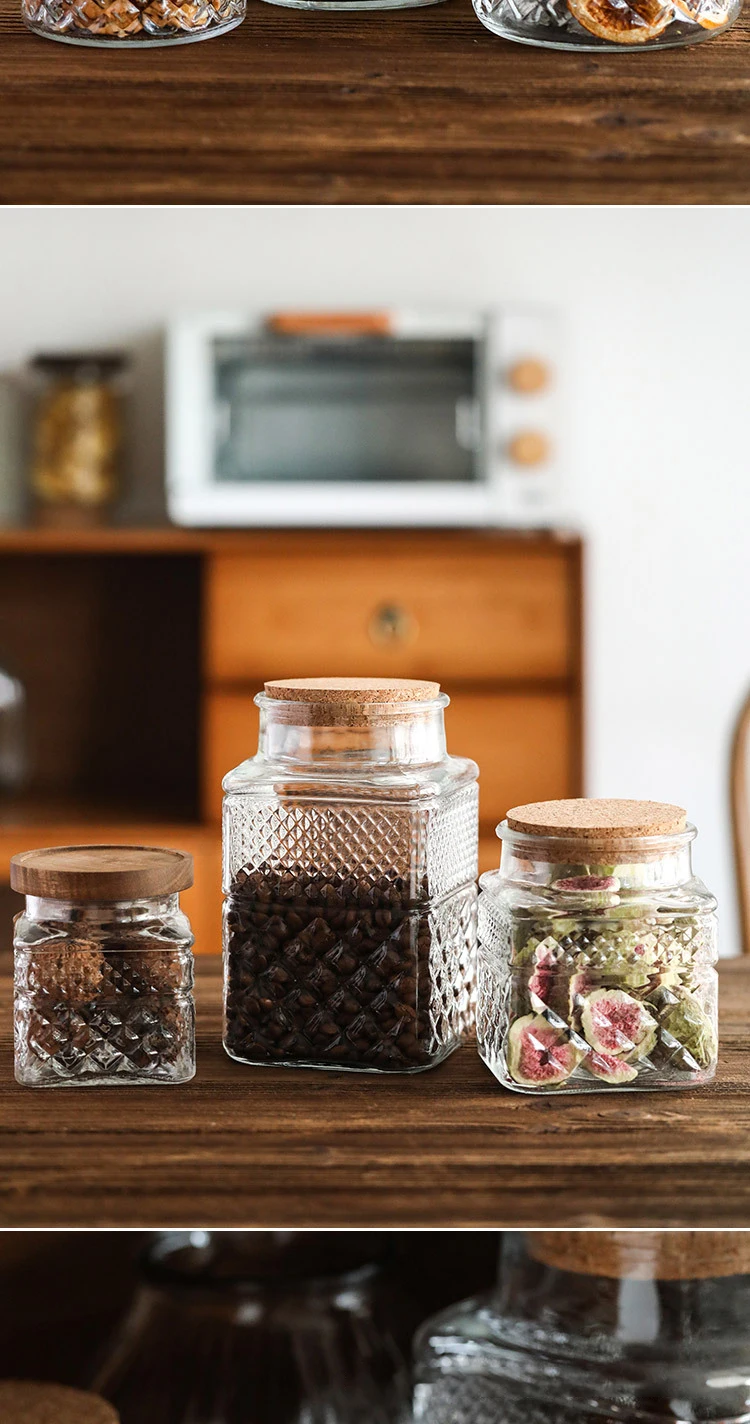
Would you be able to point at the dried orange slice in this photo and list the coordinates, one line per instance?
(711, 14)
(623, 21)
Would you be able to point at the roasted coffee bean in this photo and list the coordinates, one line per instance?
(340, 972)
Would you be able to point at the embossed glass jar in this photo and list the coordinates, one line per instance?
(131, 24)
(596, 953)
(641, 1327)
(103, 967)
(260, 1327)
(350, 855)
(607, 25)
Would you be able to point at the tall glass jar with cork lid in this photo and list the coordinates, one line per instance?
(350, 855)
(597, 947)
(589, 1327)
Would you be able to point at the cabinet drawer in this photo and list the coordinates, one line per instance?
(524, 744)
(478, 612)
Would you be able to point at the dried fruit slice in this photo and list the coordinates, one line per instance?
(611, 1069)
(539, 1055)
(586, 884)
(687, 1035)
(622, 21)
(615, 1022)
(710, 14)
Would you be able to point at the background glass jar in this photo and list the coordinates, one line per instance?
(77, 428)
(273, 1327)
(103, 967)
(588, 1327)
(596, 951)
(350, 854)
(127, 24)
(601, 25)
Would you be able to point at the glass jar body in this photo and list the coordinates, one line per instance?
(594, 976)
(350, 903)
(131, 24)
(284, 1348)
(103, 993)
(564, 1346)
(607, 25)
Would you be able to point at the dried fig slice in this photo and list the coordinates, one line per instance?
(610, 1068)
(539, 1055)
(622, 21)
(613, 1022)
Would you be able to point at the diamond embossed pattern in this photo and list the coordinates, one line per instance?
(349, 931)
(601, 1004)
(607, 24)
(139, 22)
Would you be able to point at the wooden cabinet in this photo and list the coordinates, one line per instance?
(142, 652)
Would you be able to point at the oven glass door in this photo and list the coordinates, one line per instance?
(332, 409)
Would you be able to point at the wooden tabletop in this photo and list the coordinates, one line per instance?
(419, 105)
(274, 1147)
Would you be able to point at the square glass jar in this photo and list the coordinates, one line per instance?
(596, 951)
(103, 967)
(350, 857)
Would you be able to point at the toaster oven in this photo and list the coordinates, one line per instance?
(364, 418)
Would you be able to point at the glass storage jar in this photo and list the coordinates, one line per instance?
(607, 25)
(638, 1327)
(78, 425)
(131, 24)
(350, 855)
(596, 951)
(269, 1327)
(23, 1402)
(103, 967)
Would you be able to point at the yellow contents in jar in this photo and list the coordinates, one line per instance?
(76, 444)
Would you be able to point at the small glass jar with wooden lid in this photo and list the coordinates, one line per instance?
(103, 967)
(593, 1327)
(350, 858)
(24, 1402)
(597, 948)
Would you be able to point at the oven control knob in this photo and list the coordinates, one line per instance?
(529, 447)
(529, 376)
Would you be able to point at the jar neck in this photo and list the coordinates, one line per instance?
(97, 912)
(302, 734)
(635, 865)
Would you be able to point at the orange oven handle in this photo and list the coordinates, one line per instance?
(330, 323)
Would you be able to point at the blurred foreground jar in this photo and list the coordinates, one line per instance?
(78, 420)
(131, 24)
(350, 855)
(601, 25)
(103, 967)
(259, 1328)
(22, 1402)
(597, 948)
(591, 1327)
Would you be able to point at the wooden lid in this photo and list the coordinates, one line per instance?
(357, 690)
(101, 873)
(644, 1255)
(598, 820)
(22, 1402)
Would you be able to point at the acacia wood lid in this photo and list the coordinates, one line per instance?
(644, 1255)
(22, 1402)
(358, 690)
(586, 818)
(101, 873)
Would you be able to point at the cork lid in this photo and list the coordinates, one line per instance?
(22, 1402)
(644, 1255)
(101, 873)
(357, 690)
(603, 820)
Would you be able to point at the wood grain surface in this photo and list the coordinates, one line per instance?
(274, 1147)
(411, 106)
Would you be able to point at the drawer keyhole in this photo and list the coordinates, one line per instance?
(392, 625)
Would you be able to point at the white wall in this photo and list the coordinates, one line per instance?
(657, 303)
